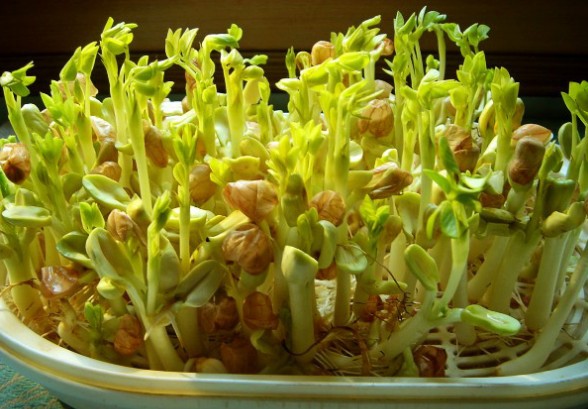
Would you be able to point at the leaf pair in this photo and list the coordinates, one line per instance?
(18, 81)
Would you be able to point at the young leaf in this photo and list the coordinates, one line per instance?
(449, 221)
(73, 247)
(107, 256)
(27, 216)
(106, 191)
(493, 321)
(94, 315)
(17, 81)
(196, 288)
(351, 259)
(422, 265)
(447, 158)
(91, 216)
(445, 184)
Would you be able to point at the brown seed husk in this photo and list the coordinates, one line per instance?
(387, 47)
(255, 198)
(321, 51)
(239, 356)
(120, 225)
(129, 336)
(526, 162)
(59, 281)
(202, 187)
(249, 247)
(430, 360)
(107, 152)
(258, 312)
(330, 206)
(534, 131)
(109, 169)
(154, 148)
(219, 316)
(461, 143)
(495, 201)
(102, 129)
(387, 180)
(16, 162)
(377, 118)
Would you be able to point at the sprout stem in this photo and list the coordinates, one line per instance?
(478, 285)
(535, 357)
(235, 107)
(427, 154)
(138, 143)
(520, 249)
(342, 298)
(188, 331)
(459, 259)
(300, 269)
(568, 251)
(541, 303)
(161, 350)
(441, 47)
(26, 298)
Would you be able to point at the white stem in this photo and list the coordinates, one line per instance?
(478, 285)
(544, 290)
(342, 298)
(520, 249)
(535, 357)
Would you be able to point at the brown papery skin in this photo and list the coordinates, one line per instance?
(109, 169)
(16, 162)
(221, 315)
(526, 162)
(465, 151)
(387, 180)
(249, 247)
(129, 336)
(330, 206)
(321, 51)
(239, 356)
(534, 131)
(430, 360)
(154, 148)
(378, 118)
(258, 312)
(120, 224)
(255, 198)
(59, 281)
(201, 187)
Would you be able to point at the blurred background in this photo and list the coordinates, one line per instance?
(543, 44)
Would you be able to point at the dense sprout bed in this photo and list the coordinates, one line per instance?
(404, 221)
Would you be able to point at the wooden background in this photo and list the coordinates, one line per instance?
(544, 44)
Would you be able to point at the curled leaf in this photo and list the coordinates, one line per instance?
(27, 216)
(73, 247)
(106, 191)
(351, 259)
(423, 266)
(493, 321)
(196, 288)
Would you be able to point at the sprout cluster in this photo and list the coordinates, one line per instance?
(218, 234)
